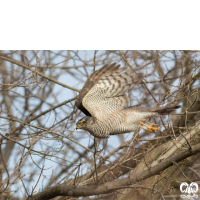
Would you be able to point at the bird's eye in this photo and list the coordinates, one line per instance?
(81, 123)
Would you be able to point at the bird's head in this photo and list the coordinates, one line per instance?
(84, 123)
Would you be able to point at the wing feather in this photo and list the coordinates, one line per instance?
(91, 81)
(109, 93)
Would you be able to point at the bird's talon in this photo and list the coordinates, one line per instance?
(149, 129)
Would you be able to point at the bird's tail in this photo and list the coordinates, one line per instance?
(160, 110)
(165, 109)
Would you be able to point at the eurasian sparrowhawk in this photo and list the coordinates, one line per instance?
(103, 99)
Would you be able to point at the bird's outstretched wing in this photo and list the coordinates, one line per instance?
(91, 81)
(109, 92)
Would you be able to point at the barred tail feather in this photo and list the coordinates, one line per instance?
(166, 109)
(160, 110)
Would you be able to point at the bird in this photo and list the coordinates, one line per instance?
(104, 101)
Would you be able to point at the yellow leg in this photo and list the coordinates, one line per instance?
(150, 128)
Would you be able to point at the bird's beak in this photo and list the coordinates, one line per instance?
(77, 126)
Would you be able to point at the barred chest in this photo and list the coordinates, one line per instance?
(109, 125)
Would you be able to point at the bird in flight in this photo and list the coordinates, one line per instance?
(104, 101)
